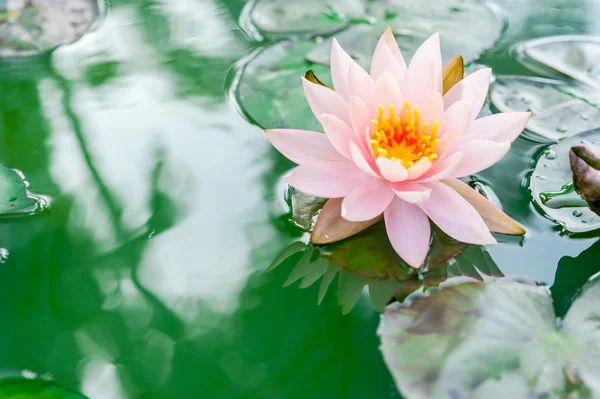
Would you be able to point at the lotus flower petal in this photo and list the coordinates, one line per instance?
(361, 84)
(479, 155)
(340, 64)
(361, 118)
(424, 76)
(412, 192)
(419, 169)
(496, 220)
(455, 216)
(391, 170)
(457, 118)
(473, 88)
(303, 146)
(387, 90)
(395, 140)
(332, 227)
(388, 39)
(327, 179)
(501, 128)
(368, 201)
(409, 231)
(323, 100)
(338, 133)
(385, 61)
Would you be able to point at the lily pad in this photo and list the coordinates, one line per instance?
(36, 26)
(270, 89)
(466, 27)
(552, 188)
(313, 17)
(470, 338)
(14, 198)
(368, 259)
(23, 388)
(560, 109)
(575, 56)
(567, 104)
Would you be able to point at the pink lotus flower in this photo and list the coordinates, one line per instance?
(391, 140)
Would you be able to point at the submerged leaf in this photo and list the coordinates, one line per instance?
(368, 254)
(302, 268)
(586, 176)
(496, 220)
(551, 185)
(293, 249)
(454, 71)
(464, 339)
(381, 292)
(332, 271)
(318, 272)
(350, 287)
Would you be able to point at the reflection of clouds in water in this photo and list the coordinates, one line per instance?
(214, 157)
(212, 38)
(214, 164)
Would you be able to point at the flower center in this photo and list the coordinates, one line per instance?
(401, 137)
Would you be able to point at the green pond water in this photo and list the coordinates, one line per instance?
(144, 275)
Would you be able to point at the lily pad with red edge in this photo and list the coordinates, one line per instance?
(458, 340)
(23, 388)
(551, 185)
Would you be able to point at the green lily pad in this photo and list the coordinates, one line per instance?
(14, 198)
(466, 27)
(467, 339)
(36, 26)
(560, 109)
(313, 17)
(270, 89)
(23, 388)
(574, 56)
(567, 104)
(552, 189)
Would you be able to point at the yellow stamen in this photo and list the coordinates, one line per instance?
(405, 139)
